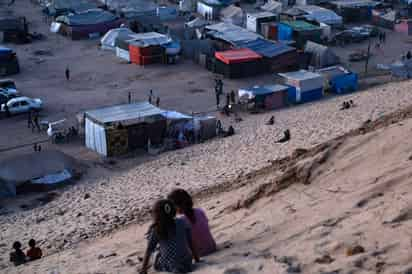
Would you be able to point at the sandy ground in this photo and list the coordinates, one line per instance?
(357, 194)
(120, 194)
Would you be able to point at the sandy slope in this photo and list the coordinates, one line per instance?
(354, 190)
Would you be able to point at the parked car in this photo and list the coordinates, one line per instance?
(7, 83)
(5, 97)
(22, 105)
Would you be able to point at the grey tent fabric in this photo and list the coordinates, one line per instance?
(20, 169)
(321, 56)
(90, 17)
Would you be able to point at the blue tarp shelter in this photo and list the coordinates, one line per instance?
(266, 48)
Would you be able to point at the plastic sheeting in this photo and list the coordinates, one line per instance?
(231, 33)
(95, 136)
(108, 41)
(321, 56)
(321, 15)
(55, 178)
(266, 48)
(150, 39)
(91, 17)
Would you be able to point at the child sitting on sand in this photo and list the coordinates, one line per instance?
(34, 253)
(202, 237)
(17, 257)
(173, 236)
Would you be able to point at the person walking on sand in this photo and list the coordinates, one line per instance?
(233, 97)
(67, 73)
(158, 101)
(150, 96)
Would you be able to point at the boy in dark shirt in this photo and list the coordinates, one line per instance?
(17, 257)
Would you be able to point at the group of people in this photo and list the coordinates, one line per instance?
(224, 133)
(179, 233)
(151, 98)
(347, 105)
(18, 257)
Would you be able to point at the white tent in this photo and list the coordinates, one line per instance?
(233, 15)
(321, 56)
(109, 39)
(272, 6)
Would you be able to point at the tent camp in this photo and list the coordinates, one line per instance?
(320, 56)
(88, 24)
(116, 130)
(108, 41)
(35, 171)
(233, 15)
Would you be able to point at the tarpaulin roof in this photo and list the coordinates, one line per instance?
(272, 6)
(108, 41)
(217, 2)
(231, 33)
(261, 90)
(320, 14)
(300, 25)
(150, 39)
(266, 48)
(300, 75)
(5, 50)
(237, 56)
(90, 17)
(122, 113)
(355, 3)
(72, 5)
(196, 23)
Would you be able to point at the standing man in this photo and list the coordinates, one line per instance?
(158, 101)
(6, 107)
(129, 97)
(67, 73)
(150, 96)
(30, 120)
(233, 97)
(36, 121)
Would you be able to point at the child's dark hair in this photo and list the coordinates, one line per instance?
(16, 245)
(164, 213)
(32, 243)
(184, 201)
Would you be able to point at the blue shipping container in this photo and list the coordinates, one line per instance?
(295, 96)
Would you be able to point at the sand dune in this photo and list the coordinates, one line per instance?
(308, 213)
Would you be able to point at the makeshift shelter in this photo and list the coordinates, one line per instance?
(230, 33)
(36, 172)
(210, 9)
(13, 30)
(308, 86)
(339, 80)
(267, 97)
(88, 24)
(232, 15)
(320, 56)
(272, 6)
(299, 31)
(277, 56)
(354, 10)
(254, 20)
(292, 14)
(116, 130)
(63, 7)
(145, 48)
(269, 30)
(166, 13)
(321, 15)
(108, 41)
(238, 63)
(9, 63)
(187, 5)
(384, 18)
